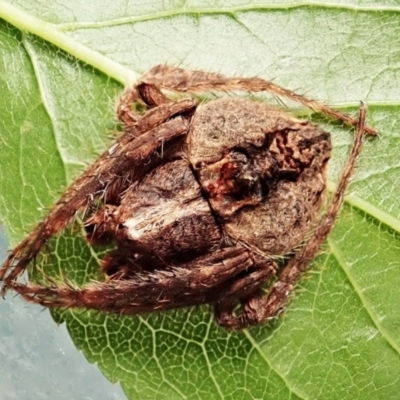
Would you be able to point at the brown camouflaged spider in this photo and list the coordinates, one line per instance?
(205, 203)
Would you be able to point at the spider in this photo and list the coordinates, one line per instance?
(204, 203)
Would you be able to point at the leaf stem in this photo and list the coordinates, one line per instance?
(49, 32)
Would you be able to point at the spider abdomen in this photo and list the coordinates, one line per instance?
(264, 171)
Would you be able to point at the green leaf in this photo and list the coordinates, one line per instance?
(339, 336)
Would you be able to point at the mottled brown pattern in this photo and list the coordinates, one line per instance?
(207, 203)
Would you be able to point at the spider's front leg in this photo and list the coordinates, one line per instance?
(148, 94)
(181, 80)
(259, 308)
(129, 158)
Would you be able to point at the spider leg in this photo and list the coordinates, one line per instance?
(259, 309)
(247, 289)
(197, 283)
(107, 173)
(198, 81)
(124, 112)
(150, 95)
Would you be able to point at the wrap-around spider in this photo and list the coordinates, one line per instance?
(205, 203)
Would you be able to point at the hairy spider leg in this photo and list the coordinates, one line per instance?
(199, 81)
(201, 281)
(150, 133)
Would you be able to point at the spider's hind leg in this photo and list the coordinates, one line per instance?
(247, 290)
